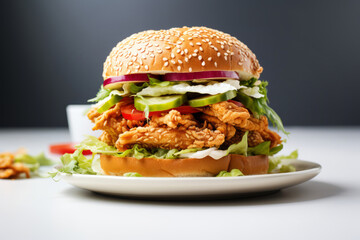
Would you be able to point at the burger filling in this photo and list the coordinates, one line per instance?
(212, 118)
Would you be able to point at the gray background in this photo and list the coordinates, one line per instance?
(53, 52)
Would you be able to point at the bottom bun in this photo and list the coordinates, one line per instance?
(187, 167)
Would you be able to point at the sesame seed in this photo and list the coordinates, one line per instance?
(167, 47)
(128, 71)
(146, 67)
(225, 57)
(194, 54)
(222, 46)
(218, 54)
(201, 49)
(182, 53)
(172, 61)
(179, 61)
(207, 40)
(130, 63)
(159, 51)
(203, 63)
(216, 49)
(200, 57)
(240, 63)
(190, 56)
(186, 59)
(226, 54)
(165, 59)
(198, 43)
(156, 45)
(152, 55)
(215, 63)
(166, 64)
(190, 38)
(190, 69)
(196, 50)
(186, 51)
(172, 55)
(179, 68)
(178, 51)
(137, 66)
(209, 59)
(191, 44)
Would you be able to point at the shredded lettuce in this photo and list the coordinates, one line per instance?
(259, 106)
(232, 173)
(212, 88)
(33, 162)
(102, 94)
(132, 174)
(276, 164)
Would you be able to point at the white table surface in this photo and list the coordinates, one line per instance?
(327, 207)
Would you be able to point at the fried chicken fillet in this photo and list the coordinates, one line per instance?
(217, 125)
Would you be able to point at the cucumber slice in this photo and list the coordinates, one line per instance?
(159, 103)
(109, 103)
(211, 99)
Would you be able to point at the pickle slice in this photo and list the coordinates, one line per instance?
(159, 103)
(109, 103)
(211, 99)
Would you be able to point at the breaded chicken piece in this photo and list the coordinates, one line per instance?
(170, 138)
(173, 119)
(239, 117)
(214, 122)
(112, 123)
(227, 112)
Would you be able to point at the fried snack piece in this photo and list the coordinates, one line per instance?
(21, 168)
(10, 169)
(173, 119)
(6, 159)
(170, 138)
(7, 173)
(214, 122)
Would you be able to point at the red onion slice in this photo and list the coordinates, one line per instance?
(201, 75)
(137, 77)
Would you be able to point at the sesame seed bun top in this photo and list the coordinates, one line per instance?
(181, 50)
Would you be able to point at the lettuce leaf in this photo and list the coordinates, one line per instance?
(241, 147)
(102, 94)
(132, 174)
(33, 162)
(77, 163)
(232, 173)
(276, 164)
(259, 106)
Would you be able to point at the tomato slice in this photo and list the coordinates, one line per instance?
(129, 112)
(239, 104)
(66, 148)
(186, 109)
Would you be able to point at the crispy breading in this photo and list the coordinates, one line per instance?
(112, 122)
(21, 168)
(10, 169)
(173, 119)
(239, 117)
(214, 122)
(170, 138)
(227, 112)
(6, 159)
(7, 173)
(254, 138)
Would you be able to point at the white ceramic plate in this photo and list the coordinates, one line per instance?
(194, 187)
